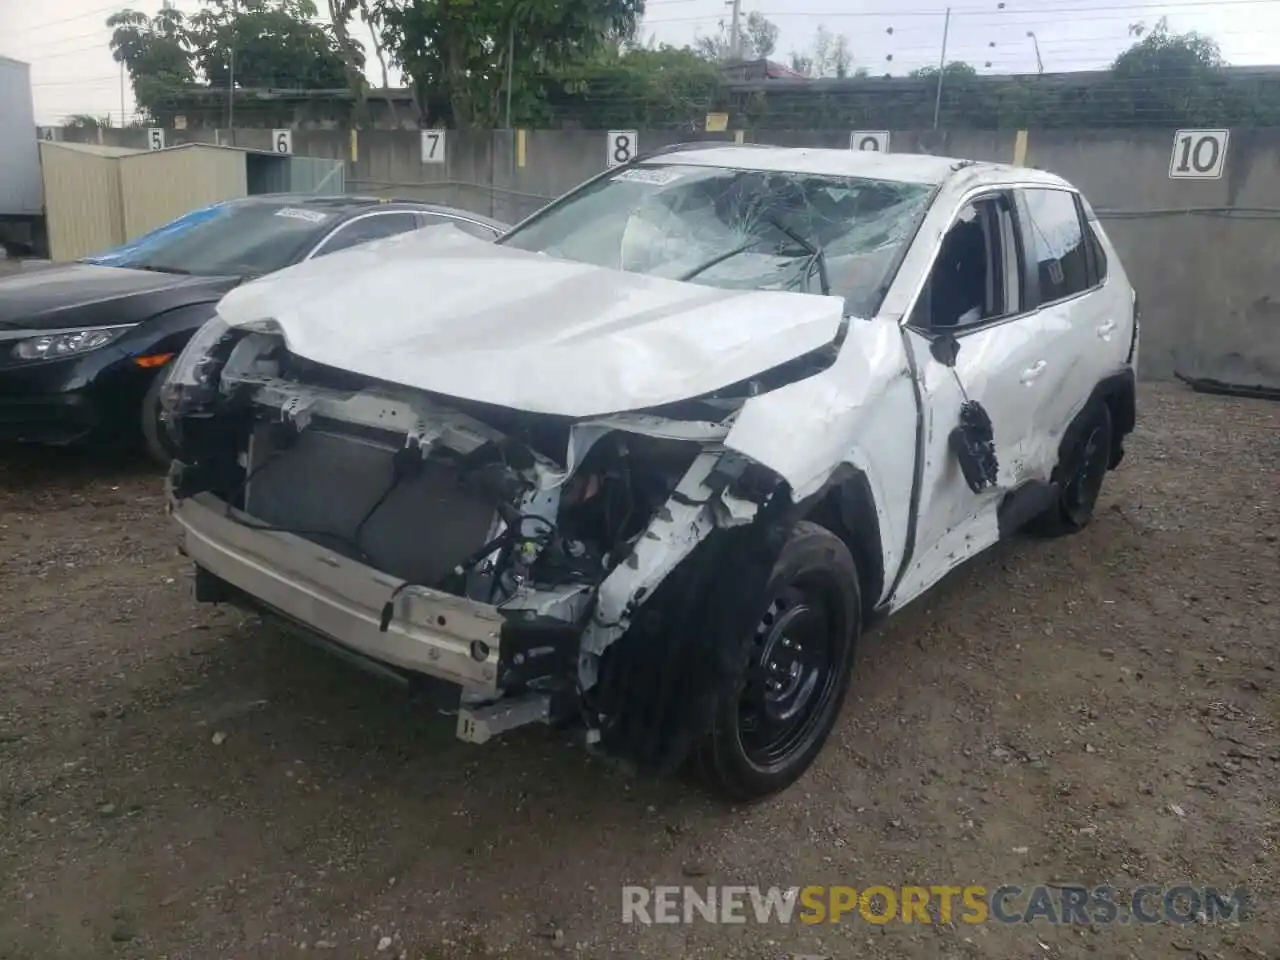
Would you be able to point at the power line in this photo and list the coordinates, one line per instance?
(995, 16)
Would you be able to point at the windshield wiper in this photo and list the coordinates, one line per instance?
(153, 268)
(716, 260)
(816, 256)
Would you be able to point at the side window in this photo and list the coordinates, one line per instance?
(365, 229)
(1099, 255)
(466, 226)
(975, 277)
(1057, 244)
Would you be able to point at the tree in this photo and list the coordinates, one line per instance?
(829, 56)
(757, 39)
(276, 44)
(653, 87)
(1170, 74)
(86, 121)
(458, 53)
(155, 52)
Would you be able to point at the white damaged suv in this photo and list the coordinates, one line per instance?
(649, 464)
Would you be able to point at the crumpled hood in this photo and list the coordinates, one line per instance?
(442, 311)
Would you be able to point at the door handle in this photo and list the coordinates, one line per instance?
(1033, 371)
(1104, 331)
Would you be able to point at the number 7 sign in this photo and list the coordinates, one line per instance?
(433, 146)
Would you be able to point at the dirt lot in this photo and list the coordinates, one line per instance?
(179, 782)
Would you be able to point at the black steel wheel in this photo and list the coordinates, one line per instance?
(774, 714)
(1080, 477)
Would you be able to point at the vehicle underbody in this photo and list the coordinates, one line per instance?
(512, 567)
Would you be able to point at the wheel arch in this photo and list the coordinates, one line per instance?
(1119, 394)
(846, 506)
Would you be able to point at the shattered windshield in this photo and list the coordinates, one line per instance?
(737, 229)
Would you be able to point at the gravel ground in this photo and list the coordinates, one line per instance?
(177, 781)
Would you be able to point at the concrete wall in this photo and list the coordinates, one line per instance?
(1202, 254)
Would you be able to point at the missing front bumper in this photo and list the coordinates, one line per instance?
(433, 633)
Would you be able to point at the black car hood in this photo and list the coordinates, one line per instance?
(87, 295)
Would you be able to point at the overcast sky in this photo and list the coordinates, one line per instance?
(65, 41)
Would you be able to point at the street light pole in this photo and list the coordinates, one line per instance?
(735, 17)
(1036, 44)
(942, 68)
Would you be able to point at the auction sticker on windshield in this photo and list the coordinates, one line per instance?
(311, 216)
(659, 178)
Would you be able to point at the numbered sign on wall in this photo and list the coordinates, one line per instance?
(623, 146)
(433, 144)
(155, 138)
(877, 140)
(1198, 154)
(282, 141)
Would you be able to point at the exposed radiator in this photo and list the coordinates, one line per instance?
(326, 482)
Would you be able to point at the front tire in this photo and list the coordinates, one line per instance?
(155, 438)
(774, 713)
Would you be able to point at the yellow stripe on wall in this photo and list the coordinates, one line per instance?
(355, 146)
(1020, 149)
(520, 146)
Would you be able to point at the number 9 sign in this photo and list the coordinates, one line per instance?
(875, 141)
(623, 147)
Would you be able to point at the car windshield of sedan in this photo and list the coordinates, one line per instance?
(737, 229)
(234, 239)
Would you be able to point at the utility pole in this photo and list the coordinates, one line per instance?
(511, 57)
(942, 68)
(122, 93)
(231, 77)
(735, 36)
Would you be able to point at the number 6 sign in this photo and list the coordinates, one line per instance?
(282, 141)
(623, 146)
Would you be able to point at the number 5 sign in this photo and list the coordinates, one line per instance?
(623, 147)
(1198, 154)
(155, 138)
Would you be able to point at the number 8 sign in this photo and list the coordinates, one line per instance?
(623, 147)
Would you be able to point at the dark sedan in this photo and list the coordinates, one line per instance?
(85, 345)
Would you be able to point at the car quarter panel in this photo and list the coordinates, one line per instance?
(860, 411)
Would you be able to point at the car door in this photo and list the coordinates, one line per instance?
(367, 227)
(1083, 325)
(973, 335)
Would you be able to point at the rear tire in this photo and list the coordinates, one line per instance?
(775, 711)
(1079, 477)
(155, 438)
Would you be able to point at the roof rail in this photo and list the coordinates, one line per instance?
(689, 146)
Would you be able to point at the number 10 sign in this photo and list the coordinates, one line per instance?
(1198, 154)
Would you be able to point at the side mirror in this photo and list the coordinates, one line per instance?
(944, 348)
